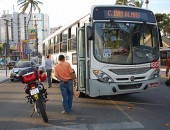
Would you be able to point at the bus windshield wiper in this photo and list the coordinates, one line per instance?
(121, 31)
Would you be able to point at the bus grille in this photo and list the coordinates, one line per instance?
(130, 71)
(130, 86)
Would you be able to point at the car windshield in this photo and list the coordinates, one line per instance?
(126, 43)
(22, 64)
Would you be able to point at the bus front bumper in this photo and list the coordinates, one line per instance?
(100, 88)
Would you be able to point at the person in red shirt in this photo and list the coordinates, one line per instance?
(168, 66)
(64, 72)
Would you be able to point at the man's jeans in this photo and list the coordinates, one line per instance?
(67, 94)
(49, 76)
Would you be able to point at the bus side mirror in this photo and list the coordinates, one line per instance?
(160, 38)
(89, 33)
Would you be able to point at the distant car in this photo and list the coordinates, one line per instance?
(20, 65)
(11, 64)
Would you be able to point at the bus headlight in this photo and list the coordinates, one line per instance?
(155, 74)
(103, 77)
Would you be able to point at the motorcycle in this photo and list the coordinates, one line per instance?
(36, 93)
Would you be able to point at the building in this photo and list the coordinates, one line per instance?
(53, 29)
(23, 36)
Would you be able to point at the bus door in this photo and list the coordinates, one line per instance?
(81, 60)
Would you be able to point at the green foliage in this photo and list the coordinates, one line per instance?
(163, 21)
(137, 3)
(1, 47)
(123, 2)
(33, 4)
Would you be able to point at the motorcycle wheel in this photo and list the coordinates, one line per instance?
(42, 111)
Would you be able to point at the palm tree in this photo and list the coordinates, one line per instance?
(122, 2)
(33, 4)
(137, 3)
(1, 47)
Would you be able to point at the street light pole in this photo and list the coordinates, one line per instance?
(7, 44)
(36, 34)
(147, 2)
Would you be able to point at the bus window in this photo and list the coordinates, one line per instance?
(57, 44)
(72, 39)
(64, 41)
(74, 59)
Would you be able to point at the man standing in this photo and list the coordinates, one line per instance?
(48, 67)
(64, 72)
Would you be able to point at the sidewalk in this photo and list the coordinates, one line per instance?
(3, 76)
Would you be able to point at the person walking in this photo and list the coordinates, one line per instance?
(48, 67)
(65, 74)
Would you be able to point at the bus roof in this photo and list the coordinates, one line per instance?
(63, 28)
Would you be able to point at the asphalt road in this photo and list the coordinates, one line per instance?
(149, 110)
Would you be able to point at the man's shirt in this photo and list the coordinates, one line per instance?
(48, 64)
(63, 70)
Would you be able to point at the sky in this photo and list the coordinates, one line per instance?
(62, 11)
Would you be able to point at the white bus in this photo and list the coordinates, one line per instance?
(114, 50)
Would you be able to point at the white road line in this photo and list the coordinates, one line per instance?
(130, 118)
(106, 126)
(143, 103)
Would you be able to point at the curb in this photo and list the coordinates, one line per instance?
(4, 80)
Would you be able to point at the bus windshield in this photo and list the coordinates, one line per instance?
(125, 43)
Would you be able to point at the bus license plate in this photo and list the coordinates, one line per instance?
(34, 91)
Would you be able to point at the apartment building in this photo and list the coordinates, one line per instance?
(22, 43)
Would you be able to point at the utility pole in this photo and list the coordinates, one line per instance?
(7, 43)
(36, 34)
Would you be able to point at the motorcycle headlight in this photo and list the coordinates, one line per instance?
(103, 77)
(155, 74)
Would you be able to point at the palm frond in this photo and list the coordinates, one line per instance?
(37, 7)
(39, 10)
(33, 3)
(25, 8)
(34, 6)
(22, 2)
(38, 2)
(23, 5)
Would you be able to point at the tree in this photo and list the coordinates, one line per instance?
(137, 3)
(1, 47)
(163, 21)
(122, 2)
(33, 4)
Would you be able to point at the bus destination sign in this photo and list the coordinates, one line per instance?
(122, 14)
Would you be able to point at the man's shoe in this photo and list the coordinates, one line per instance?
(49, 86)
(63, 112)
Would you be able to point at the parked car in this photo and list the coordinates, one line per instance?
(20, 65)
(11, 64)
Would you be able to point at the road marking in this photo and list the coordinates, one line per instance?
(130, 118)
(143, 103)
(106, 126)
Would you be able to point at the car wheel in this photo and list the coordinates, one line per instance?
(12, 80)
